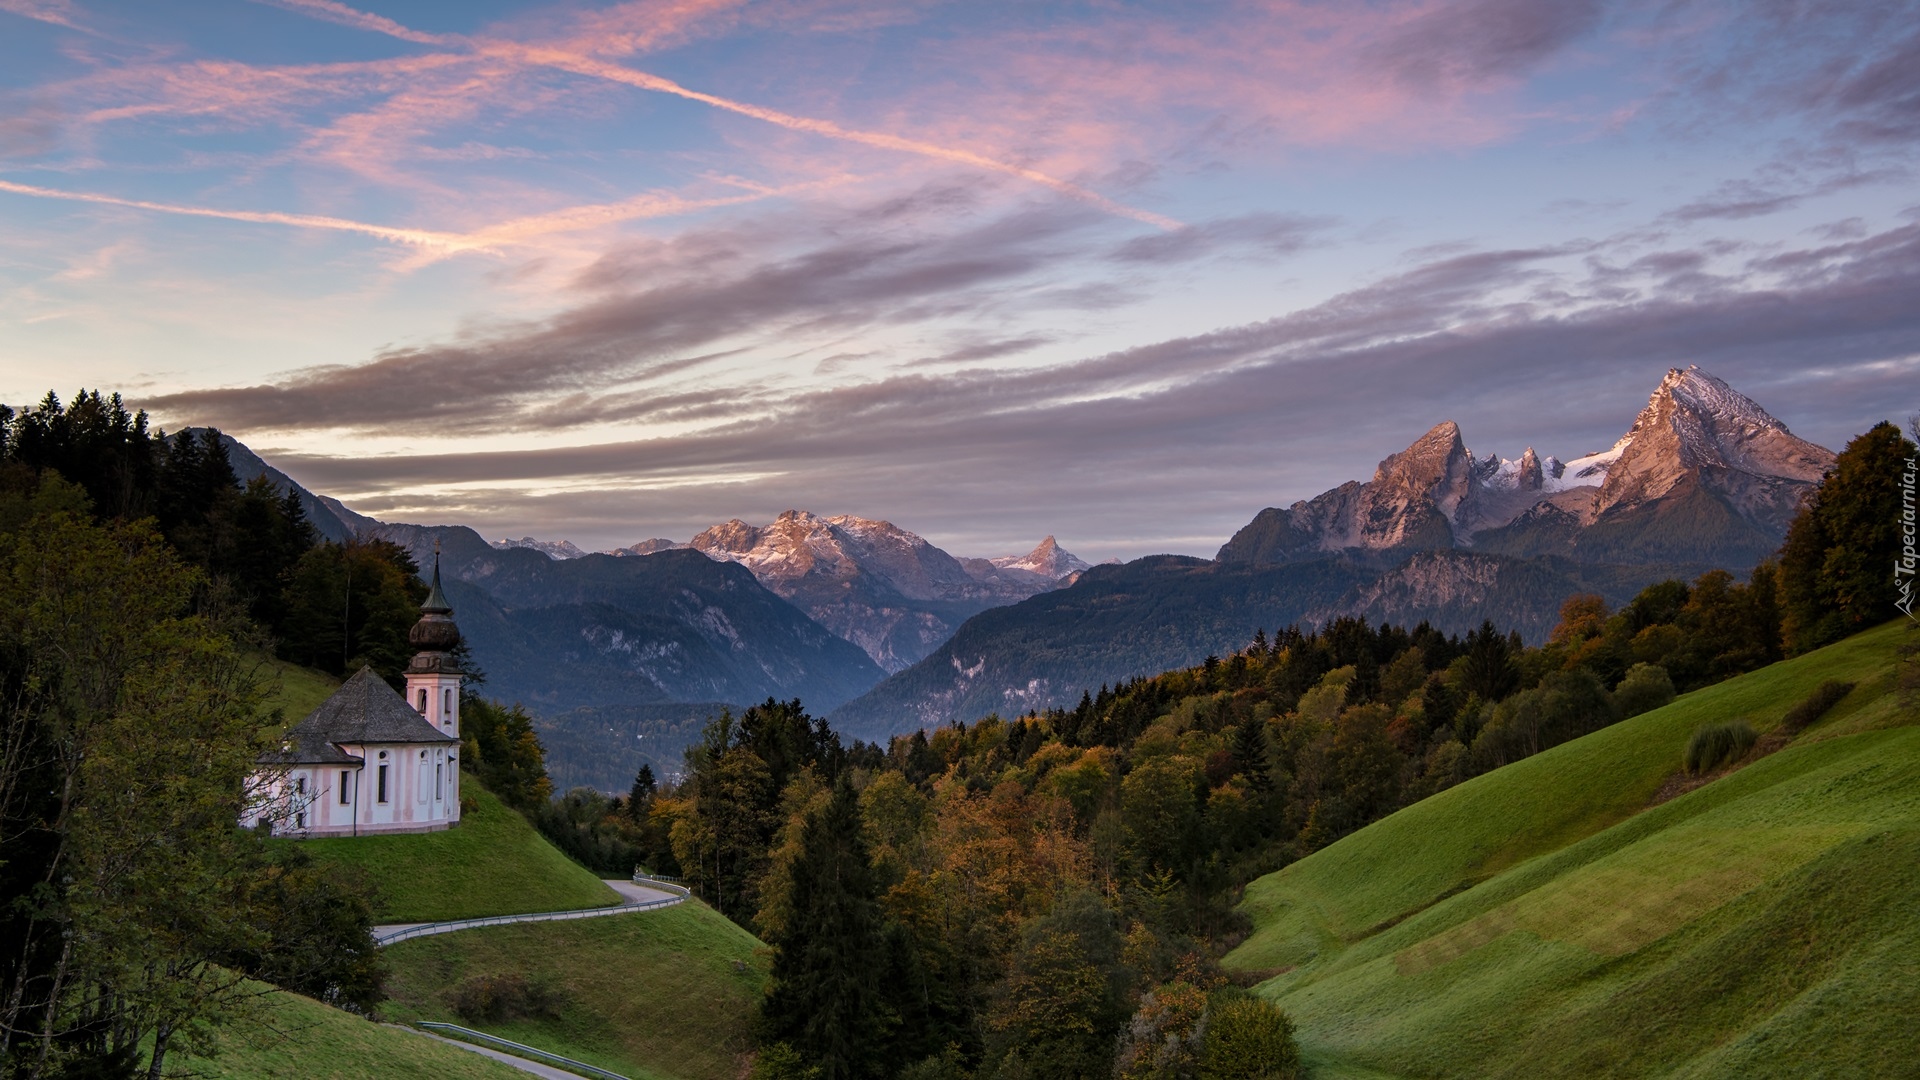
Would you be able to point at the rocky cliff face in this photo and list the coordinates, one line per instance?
(1698, 431)
(1417, 500)
(1704, 476)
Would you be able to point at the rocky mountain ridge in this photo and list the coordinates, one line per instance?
(879, 586)
(1723, 474)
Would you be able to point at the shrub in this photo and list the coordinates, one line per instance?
(1719, 744)
(1824, 697)
(782, 1062)
(1247, 1038)
(1645, 689)
(490, 999)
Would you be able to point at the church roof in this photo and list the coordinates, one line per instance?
(364, 710)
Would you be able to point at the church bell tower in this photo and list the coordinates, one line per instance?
(433, 678)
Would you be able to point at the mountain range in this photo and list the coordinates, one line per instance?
(887, 632)
(1704, 478)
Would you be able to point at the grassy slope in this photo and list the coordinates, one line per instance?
(305, 1040)
(652, 995)
(296, 690)
(492, 863)
(1531, 923)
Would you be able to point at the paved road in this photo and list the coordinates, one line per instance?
(632, 896)
(545, 1072)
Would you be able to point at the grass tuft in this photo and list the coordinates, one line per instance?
(1824, 697)
(1719, 744)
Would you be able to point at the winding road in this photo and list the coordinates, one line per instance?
(639, 894)
(634, 896)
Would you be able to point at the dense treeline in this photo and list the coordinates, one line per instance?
(1046, 897)
(328, 606)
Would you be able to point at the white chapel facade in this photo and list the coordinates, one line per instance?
(369, 761)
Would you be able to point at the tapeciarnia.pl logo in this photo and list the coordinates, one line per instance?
(1903, 566)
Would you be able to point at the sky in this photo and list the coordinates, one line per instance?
(1122, 273)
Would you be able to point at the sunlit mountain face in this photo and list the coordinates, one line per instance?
(1123, 274)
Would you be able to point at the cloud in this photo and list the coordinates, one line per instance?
(57, 12)
(1206, 429)
(1264, 234)
(686, 311)
(1483, 40)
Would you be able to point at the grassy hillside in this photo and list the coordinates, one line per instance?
(652, 995)
(492, 863)
(302, 1039)
(1541, 920)
(296, 690)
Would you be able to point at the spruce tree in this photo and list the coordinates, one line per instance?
(824, 998)
(1836, 569)
(640, 798)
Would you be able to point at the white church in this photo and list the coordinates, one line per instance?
(369, 761)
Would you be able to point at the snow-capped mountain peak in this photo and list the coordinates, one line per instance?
(1049, 559)
(552, 549)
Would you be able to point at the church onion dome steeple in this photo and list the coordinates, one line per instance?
(435, 632)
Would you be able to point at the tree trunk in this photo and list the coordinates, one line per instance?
(161, 1033)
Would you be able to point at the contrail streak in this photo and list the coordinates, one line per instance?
(420, 238)
(565, 60)
(582, 65)
(435, 245)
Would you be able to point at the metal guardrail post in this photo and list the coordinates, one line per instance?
(471, 1035)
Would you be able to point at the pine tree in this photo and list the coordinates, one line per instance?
(1836, 569)
(640, 798)
(824, 997)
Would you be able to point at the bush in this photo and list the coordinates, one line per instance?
(1719, 744)
(490, 999)
(1645, 689)
(1824, 697)
(1247, 1038)
(782, 1062)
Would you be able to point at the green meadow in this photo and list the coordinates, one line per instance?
(655, 995)
(1547, 919)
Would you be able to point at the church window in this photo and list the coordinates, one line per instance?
(381, 785)
(346, 781)
(448, 708)
(439, 788)
(423, 701)
(299, 785)
(300, 821)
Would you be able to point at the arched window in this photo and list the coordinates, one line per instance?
(447, 710)
(423, 701)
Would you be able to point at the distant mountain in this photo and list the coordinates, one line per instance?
(247, 465)
(552, 549)
(1704, 478)
(1704, 475)
(648, 547)
(1115, 622)
(600, 631)
(875, 584)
